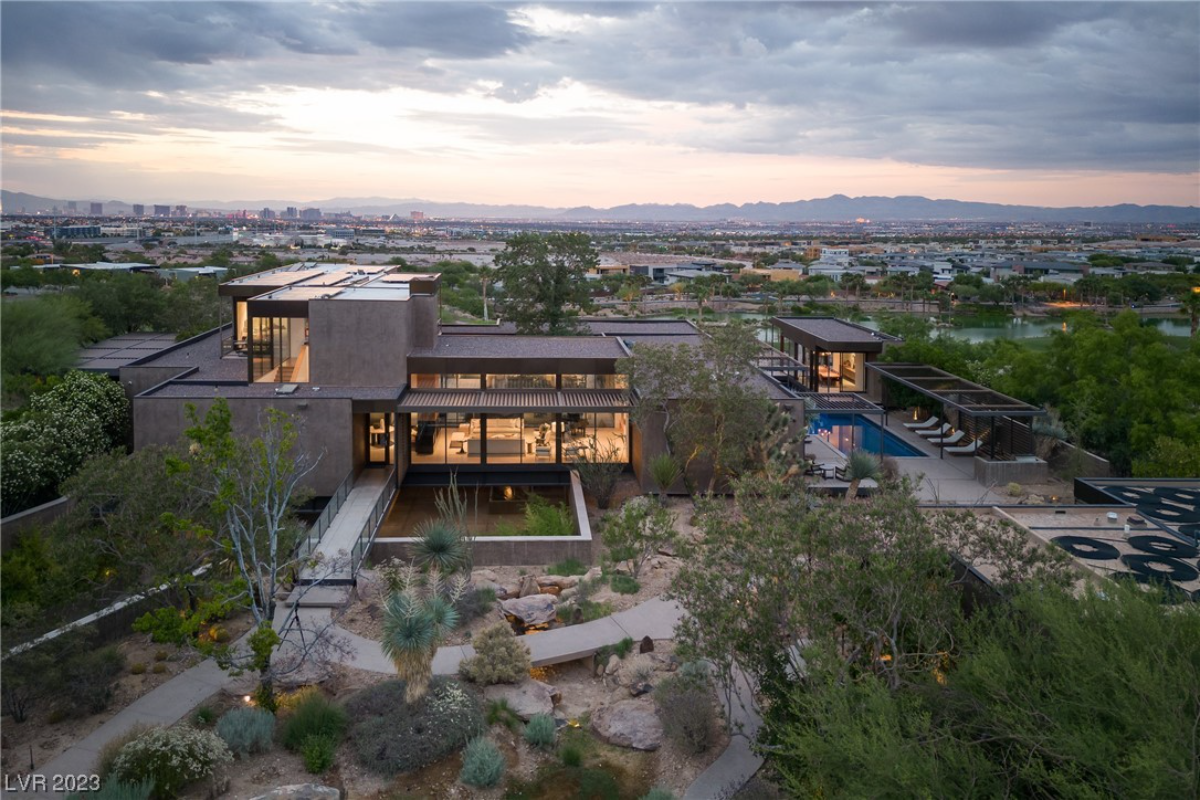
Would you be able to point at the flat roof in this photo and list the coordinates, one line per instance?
(512, 401)
(970, 398)
(120, 351)
(1172, 502)
(833, 334)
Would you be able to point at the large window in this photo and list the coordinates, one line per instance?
(520, 381)
(445, 439)
(594, 382)
(602, 436)
(279, 349)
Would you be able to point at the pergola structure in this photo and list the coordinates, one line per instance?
(1003, 422)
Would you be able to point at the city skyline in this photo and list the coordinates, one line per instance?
(579, 104)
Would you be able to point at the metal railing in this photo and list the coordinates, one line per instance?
(309, 544)
(366, 536)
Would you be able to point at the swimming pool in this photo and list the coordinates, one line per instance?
(847, 432)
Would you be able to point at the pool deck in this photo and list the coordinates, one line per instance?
(939, 478)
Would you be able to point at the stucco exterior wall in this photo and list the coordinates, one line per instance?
(359, 342)
(323, 429)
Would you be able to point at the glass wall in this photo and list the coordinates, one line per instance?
(380, 439)
(521, 381)
(594, 382)
(853, 375)
(602, 436)
(279, 349)
(445, 439)
(466, 381)
(532, 438)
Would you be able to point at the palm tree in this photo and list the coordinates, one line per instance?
(860, 466)
(415, 619)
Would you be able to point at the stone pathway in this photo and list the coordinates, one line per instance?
(655, 618)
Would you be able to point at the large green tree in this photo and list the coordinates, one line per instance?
(543, 278)
(1047, 695)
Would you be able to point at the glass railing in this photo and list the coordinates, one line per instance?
(366, 536)
(309, 544)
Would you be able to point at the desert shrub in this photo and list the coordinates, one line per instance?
(137, 668)
(589, 610)
(635, 533)
(571, 566)
(88, 679)
(247, 731)
(543, 518)
(658, 793)
(439, 545)
(112, 748)
(624, 584)
(171, 757)
(204, 716)
(598, 783)
(114, 790)
(620, 650)
(483, 765)
(541, 731)
(159, 669)
(571, 755)
(313, 715)
(160, 655)
(599, 469)
(500, 712)
(499, 657)
(474, 603)
(686, 710)
(392, 736)
(318, 751)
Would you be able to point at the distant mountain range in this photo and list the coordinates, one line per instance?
(838, 208)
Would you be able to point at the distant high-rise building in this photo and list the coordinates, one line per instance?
(139, 210)
(417, 216)
(180, 211)
(96, 209)
(72, 206)
(310, 214)
(291, 213)
(266, 213)
(162, 211)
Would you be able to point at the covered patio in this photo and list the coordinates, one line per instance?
(994, 428)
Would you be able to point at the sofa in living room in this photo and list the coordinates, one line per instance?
(503, 437)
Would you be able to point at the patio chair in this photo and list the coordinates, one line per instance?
(954, 438)
(964, 450)
(929, 423)
(940, 431)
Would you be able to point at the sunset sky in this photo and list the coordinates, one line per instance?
(1076, 103)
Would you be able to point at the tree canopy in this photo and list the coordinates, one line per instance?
(543, 279)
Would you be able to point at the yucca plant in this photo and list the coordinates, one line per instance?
(415, 619)
(860, 466)
(664, 469)
(440, 546)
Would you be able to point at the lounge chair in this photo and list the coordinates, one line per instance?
(929, 423)
(941, 431)
(954, 438)
(964, 450)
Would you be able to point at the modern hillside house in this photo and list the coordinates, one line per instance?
(358, 355)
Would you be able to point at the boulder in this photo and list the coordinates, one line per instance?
(537, 609)
(593, 574)
(302, 791)
(629, 723)
(526, 699)
(567, 594)
(484, 576)
(561, 581)
(614, 664)
(646, 645)
(528, 587)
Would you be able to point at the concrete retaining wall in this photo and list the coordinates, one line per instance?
(999, 473)
(1081, 463)
(499, 551)
(34, 517)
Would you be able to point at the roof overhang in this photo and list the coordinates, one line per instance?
(950, 390)
(509, 401)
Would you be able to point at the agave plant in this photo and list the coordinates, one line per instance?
(415, 620)
(439, 546)
(860, 466)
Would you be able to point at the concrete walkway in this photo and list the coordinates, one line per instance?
(655, 618)
(342, 535)
(739, 762)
